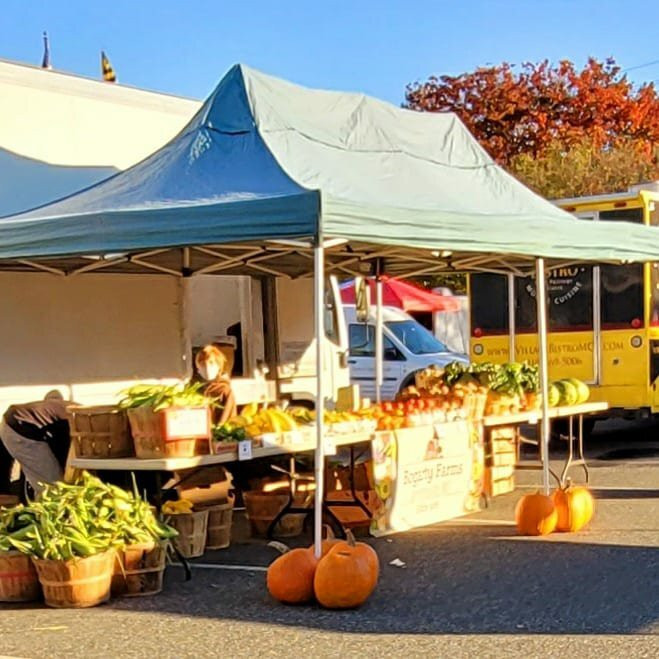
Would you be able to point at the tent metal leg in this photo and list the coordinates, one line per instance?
(379, 342)
(543, 362)
(319, 322)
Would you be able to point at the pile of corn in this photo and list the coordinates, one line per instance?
(78, 520)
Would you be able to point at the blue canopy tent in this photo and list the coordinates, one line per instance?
(272, 178)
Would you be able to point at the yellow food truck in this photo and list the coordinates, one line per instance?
(603, 320)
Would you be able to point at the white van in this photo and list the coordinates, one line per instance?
(408, 347)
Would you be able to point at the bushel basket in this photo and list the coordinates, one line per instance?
(100, 431)
(78, 583)
(263, 507)
(18, 578)
(192, 529)
(220, 518)
(139, 570)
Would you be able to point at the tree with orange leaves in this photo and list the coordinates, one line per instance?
(545, 118)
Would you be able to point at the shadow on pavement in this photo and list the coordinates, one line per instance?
(464, 581)
(623, 493)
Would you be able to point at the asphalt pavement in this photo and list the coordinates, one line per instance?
(469, 588)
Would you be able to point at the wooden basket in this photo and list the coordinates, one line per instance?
(220, 518)
(18, 578)
(192, 530)
(139, 570)
(79, 583)
(8, 501)
(263, 507)
(100, 431)
(148, 429)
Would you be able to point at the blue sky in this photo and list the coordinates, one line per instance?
(374, 46)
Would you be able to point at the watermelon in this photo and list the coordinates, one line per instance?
(553, 396)
(583, 392)
(569, 394)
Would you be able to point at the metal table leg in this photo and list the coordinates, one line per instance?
(519, 440)
(580, 461)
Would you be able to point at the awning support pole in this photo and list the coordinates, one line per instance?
(543, 363)
(319, 322)
(511, 317)
(379, 339)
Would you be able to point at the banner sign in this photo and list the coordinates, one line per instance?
(426, 474)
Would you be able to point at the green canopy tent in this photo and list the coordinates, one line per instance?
(272, 178)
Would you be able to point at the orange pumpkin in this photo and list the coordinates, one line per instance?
(535, 514)
(290, 576)
(574, 506)
(328, 542)
(347, 575)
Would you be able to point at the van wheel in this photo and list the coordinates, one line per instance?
(408, 381)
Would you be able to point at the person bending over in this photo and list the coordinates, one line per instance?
(37, 436)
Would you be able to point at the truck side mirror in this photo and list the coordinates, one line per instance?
(343, 359)
(362, 299)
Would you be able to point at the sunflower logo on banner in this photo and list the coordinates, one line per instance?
(106, 69)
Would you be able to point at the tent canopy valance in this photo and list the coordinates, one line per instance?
(265, 166)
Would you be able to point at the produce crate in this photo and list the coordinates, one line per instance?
(100, 431)
(169, 433)
(500, 461)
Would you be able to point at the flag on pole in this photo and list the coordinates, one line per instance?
(45, 62)
(106, 69)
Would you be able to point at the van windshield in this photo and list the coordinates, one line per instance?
(416, 338)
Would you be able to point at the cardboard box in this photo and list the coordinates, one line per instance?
(204, 487)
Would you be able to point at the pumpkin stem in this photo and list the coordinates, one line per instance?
(350, 538)
(329, 534)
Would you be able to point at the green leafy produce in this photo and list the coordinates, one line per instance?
(160, 396)
(229, 432)
(78, 520)
(510, 379)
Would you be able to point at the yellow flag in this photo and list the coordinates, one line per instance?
(106, 69)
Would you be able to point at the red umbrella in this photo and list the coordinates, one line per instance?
(404, 295)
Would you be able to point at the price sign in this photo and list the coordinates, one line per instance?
(245, 450)
(186, 423)
(329, 446)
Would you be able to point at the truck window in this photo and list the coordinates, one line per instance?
(621, 286)
(362, 343)
(488, 301)
(621, 296)
(570, 300)
(416, 338)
